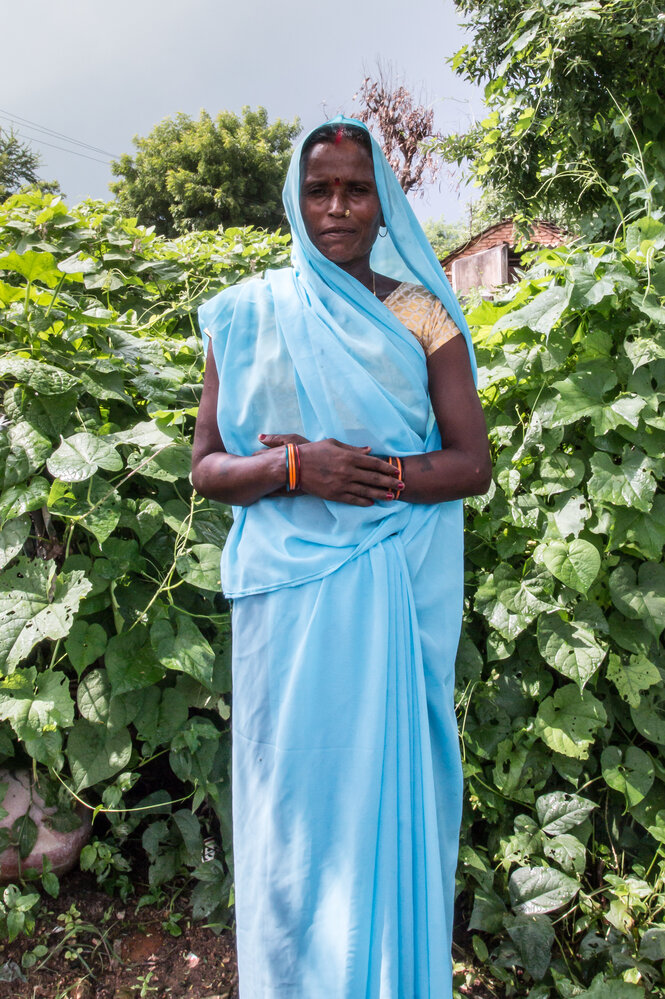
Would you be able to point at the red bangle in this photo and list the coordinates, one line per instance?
(297, 451)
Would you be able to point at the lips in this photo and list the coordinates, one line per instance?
(338, 231)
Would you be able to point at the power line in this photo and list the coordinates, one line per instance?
(16, 119)
(64, 149)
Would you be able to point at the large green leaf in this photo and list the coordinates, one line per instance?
(21, 499)
(541, 314)
(535, 890)
(644, 532)
(576, 563)
(628, 483)
(96, 505)
(557, 473)
(644, 350)
(533, 936)
(163, 713)
(32, 265)
(26, 440)
(641, 596)
(96, 702)
(183, 648)
(34, 703)
(567, 851)
(12, 539)
(84, 644)
(633, 677)
(570, 512)
(79, 457)
(168, 465)
(45, 379)
(652, 944)
(131, 661)
(602, 988)
(649, 716)
(629, 771)
(200, 567)
(579, 395)
(96, 753)
(36, 603)
(559, 812)
(568, 720)
(569, 647)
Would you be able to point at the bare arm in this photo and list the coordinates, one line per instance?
(463, 466)
(228, 477)
(329, 469)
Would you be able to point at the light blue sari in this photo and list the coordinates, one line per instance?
(346, 770)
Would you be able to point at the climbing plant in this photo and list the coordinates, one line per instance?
(561, 668)
(114, 637)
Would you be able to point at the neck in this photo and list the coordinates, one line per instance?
(360, 270)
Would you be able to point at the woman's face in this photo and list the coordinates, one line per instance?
(339, 203)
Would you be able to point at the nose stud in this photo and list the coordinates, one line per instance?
(347, 213)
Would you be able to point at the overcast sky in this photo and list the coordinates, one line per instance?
(101, 72)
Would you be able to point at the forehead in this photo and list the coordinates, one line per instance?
(343, 159)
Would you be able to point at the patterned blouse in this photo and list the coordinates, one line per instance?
(422, 314)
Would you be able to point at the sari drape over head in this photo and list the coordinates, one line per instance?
(346, 770)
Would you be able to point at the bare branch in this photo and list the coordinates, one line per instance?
(402, 126)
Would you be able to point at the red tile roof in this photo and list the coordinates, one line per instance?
(542, 233)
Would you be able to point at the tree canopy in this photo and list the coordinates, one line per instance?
(18, 166)
(575, 90)
(193, 175)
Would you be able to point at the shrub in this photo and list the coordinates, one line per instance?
(561, 669)
(114, 637)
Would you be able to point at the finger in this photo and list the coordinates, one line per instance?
(377, 465)
(365, 449)
(354, 500)
(375, 494)
(373, 480)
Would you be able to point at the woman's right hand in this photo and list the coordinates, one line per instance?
(332, 470)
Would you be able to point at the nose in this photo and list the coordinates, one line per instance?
(337, 205)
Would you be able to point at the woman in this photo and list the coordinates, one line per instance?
(346, 576)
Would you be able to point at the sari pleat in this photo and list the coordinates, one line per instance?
(338, 883)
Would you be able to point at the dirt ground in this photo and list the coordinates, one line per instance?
(87, 945)
(104, 948)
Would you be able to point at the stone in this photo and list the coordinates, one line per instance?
(62, 849)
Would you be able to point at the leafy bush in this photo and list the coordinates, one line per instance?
(561, 669)
(114, 651)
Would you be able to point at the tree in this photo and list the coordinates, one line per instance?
(448, 236)
(575, 92)
(18, 165)
(189, 174)
(403, 127)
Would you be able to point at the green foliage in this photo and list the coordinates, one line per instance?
(445, 236)
(561, 669)
(574, 90)
(448, 236)
(18, 166)
(114, 637)
(194, 175)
